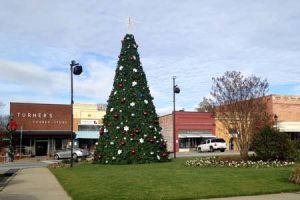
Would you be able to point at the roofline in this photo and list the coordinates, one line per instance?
(40, 103)
(184, 112)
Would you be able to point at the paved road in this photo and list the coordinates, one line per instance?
(25, 164)
(205, 154)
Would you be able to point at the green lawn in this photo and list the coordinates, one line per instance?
(170, 180)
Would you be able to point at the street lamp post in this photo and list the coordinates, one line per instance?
(76, 69)
(21, 135)
(176, 90)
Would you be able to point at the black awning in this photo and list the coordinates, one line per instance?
(58, 134)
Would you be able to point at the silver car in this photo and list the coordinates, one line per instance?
(66, 153)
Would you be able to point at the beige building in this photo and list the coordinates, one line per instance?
(285, 113)
(88, 118)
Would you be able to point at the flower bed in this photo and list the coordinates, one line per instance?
(213, 162)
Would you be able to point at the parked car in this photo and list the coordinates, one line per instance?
(66, 153)
(212, 145)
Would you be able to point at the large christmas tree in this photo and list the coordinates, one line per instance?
(131, 131)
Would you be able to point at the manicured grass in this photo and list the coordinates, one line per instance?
(170, 180)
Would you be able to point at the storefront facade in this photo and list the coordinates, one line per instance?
(88, 118)
(190, 129)
(42, 128)
(285, 111)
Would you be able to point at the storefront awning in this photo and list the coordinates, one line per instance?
(289, 126)
(195, 134)
(87, 135)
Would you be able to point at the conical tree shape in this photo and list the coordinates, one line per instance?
(131, 131)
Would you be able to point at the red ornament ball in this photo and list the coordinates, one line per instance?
(101, 131)
(116, 115)
(132, 135)
(123, 142)
(133, 152)
(145, 114)
(121, 85)
(123, 133)
(164, 154)
(138, 130)
(151, 140)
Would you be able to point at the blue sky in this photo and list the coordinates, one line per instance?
(194, 40)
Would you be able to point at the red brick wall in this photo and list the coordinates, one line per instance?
(287, 108)
(186, 121)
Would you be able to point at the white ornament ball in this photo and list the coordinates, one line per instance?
(134, 70)
(132, 104)
(112, 109)
(141, 140)
(126, 128)
(119, 151)
(120, 68)
(146, 101)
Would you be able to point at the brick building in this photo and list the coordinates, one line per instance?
(284, 111)
(44, 128)
(190, 129)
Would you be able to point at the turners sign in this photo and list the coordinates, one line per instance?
(45, 117)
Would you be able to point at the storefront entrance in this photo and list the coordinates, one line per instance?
(41, 148)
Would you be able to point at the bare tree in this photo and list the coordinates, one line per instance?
(3, 119)
(205, 105)
(240, 105)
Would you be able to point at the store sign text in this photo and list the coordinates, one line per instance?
(41, 118)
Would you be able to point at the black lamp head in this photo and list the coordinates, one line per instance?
(77, 70)
(176, 89)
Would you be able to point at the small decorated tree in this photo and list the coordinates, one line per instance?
(11, 128)
(131, 131)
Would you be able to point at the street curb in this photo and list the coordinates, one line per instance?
(9, 179)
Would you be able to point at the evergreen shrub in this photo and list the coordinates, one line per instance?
(270, 144)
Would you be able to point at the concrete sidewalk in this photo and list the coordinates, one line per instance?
(34, 184)
(281, 196)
